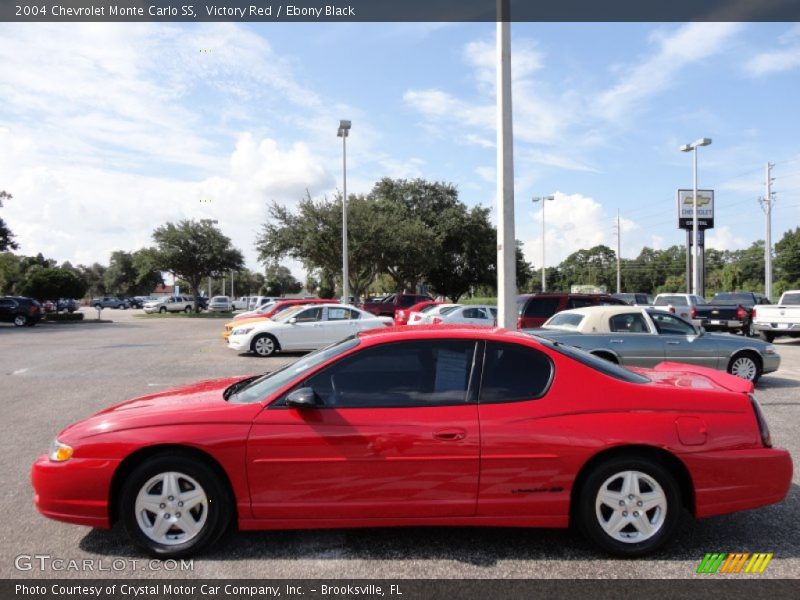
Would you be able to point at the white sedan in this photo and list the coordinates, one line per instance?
(304, 327)
(470, 314)
(426, 315)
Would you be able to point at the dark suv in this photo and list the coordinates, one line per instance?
(535, 309)
(20, 310)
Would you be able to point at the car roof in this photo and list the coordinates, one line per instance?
(406, 332)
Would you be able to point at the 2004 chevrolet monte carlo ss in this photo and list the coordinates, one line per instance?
(422, 426)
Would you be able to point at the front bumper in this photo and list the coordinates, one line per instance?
(770, 362)
(75, 491)
(732, 480)
(239, 343)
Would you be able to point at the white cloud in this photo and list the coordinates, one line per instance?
(722, 238)
(785, 58)
(676, 50)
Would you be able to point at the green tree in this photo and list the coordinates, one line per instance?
(11, 273)
(313, 236)
(279, 281)
(193, 250)
(787, 256)
(6, 237)
(120, 276)
(524, 269)
(94, 276)
(52, 283)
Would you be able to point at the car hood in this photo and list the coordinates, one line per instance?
(200, 402)
(684, 376)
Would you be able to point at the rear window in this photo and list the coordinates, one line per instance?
(675, 300)
(541, 307)
(726, 298)
(594, 362)
(790, 299)
(565, 321)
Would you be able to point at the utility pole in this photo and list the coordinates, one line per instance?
(766, 206)
(619, 249)
(506, 245)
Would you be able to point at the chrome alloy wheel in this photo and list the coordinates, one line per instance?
(631, 507)
(744, 367)
(171, 508)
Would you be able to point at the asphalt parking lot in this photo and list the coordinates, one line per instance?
(52, 375)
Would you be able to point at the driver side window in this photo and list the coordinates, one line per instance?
(671, 325)
(310, 315)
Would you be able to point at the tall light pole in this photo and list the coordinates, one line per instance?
(506, 239)
(696, 252)
(344, 130)
(543, 199)
(766, 205)
(211, 222)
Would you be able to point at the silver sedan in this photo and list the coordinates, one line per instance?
(644, 337)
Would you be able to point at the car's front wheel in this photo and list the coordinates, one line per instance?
(162, 310)
(767, 336)
(188, 309)
(20, 320)
(174, 506)
(629, 506)
(746, 366)
(264, 345)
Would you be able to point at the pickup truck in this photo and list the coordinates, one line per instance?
(391, 304)
(730, 311)
(779, 319)
(683, 305)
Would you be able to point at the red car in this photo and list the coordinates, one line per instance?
(425, 426)
(401, 316)
(278, 305)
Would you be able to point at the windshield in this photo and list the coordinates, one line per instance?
(265, 308)
(448, 309)
(287, 313)
(263, 387)
(428, 308)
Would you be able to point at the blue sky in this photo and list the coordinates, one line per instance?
(108, 130)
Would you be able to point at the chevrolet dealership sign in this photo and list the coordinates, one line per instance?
(705, 209)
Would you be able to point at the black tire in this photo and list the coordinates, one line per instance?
(20, 320)
(262, 347)
(162, 310)
(219, 505)
(741, 358)
(188, 309)
(590, 523)
(767, 336)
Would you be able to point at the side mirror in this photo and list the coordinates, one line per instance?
(293, 320)
(302, 398)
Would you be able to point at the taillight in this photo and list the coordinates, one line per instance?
(741, 314)
(763, 428)
(436, 320)
(672, 309)
(693, 312)
(519, 323)
(753, 313)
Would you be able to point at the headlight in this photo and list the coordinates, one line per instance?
(242, 331)
(60, 452)
(770, 350)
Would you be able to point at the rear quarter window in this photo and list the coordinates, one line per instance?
(541, 307)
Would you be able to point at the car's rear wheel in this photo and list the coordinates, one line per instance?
(629, 506)
(767, 336)
(188, 309)
(264, 345)
(162, 310)
(746, 366)
(174, 506)
(20, 320)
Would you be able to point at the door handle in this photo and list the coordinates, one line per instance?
(616, 341)
(450, 435)
(674, 343)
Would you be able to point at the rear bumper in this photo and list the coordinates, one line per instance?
(721, 324)
(75, 491)
(789, 329)
(733, 480)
